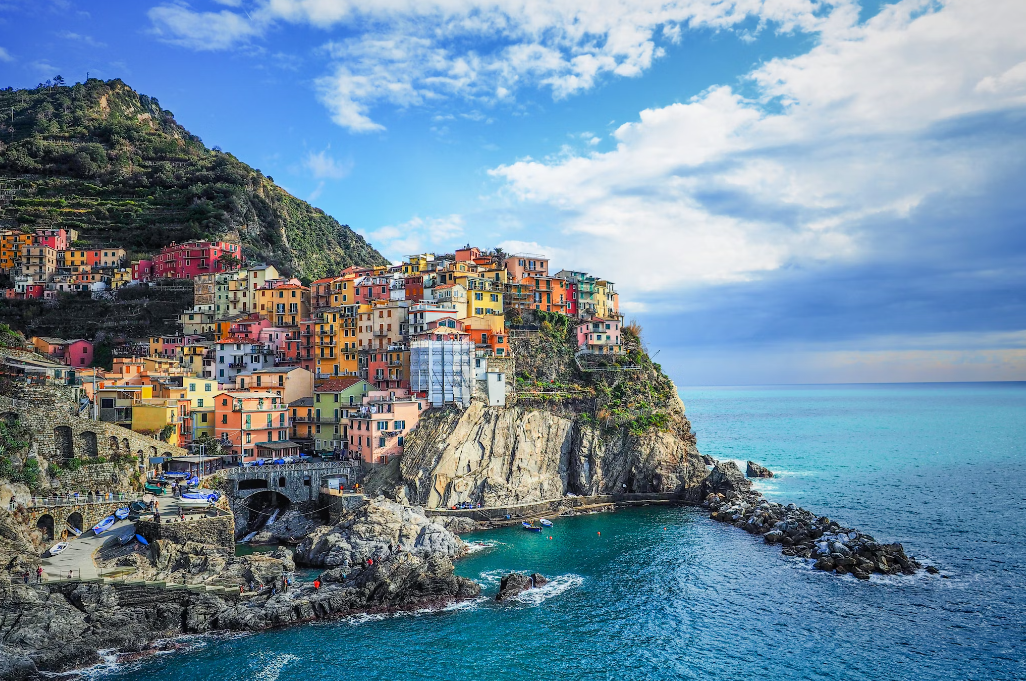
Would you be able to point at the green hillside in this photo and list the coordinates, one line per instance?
(103, 159)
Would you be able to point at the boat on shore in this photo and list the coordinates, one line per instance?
(104, 525)
(126, 536)
(121, 513)
(58, 548)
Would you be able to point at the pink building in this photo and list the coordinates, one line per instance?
(378, 429)
(250, 328)
(520, 266)
(142, 270)
(78, 353)
(276, 336)
(185, 261)
(599, 336)
(57, 239)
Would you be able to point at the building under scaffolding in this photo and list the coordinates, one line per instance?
(441, 368)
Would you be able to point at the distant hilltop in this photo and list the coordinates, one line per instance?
(111, 164)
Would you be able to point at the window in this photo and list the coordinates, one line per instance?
(478, 296)
(224, 418)
(401, 440)
(249, 438)
(206, 388)
(199, 402)
(381, 442)
(495, 297)
(224, 402)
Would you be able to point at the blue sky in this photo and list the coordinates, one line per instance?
(783, 190)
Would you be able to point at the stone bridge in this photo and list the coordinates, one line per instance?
(299, 482)
(51, 516)
(58, 434)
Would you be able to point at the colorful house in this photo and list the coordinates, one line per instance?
(332, 400)
(599, 336)
(378, 428)
(78, 353)
(185, 261)
(245, 420)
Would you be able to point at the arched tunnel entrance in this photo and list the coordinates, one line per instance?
(262, 507)
(45, 527)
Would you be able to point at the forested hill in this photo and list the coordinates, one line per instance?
(103, 159)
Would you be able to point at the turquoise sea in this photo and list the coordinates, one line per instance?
(668, 594)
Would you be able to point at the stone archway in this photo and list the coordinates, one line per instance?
(87, 438)
(45, 526)
(75, 520)
(63, 444)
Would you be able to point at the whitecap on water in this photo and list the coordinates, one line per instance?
(554, 587)
(478, 546)
(493, 577)
(271, 669)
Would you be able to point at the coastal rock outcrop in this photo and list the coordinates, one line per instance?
(516, 583)
(374, 532)
(754, 470)
(800, 533)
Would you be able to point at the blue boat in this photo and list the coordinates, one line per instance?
(529, 527)
(121, 513)
(142, 540)
(104, 525)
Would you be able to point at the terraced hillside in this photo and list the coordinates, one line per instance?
(109, 162)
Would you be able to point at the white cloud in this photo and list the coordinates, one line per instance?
(203, 31)
(410, 52)
(418, 235)
(722, 188)
(5, 55)
(323, 166)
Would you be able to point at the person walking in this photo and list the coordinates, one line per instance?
(39, 574)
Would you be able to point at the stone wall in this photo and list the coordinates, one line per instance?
(58, 434)
(219, 531)
(338, 505)
(299, 482)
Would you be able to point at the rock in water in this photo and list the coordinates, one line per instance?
(515, 583)
(757, 471)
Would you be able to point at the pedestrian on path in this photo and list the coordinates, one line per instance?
(39, 574)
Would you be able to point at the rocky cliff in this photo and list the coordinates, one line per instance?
(500, 456)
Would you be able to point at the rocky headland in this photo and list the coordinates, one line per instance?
(801, 533)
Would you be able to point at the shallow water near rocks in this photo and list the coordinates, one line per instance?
(665, 593)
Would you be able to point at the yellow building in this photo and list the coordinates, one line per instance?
(283, 304)
(10, 248)
(37, 261)
(120, 277)
(198, 357)
(415, 264)
(152, 416)
(336, 343)
(484, 296)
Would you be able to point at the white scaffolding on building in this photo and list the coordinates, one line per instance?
(441, 368)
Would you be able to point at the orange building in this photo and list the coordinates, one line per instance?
(247, 420)
(283, 304)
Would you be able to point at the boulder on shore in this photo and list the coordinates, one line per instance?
(757, 471)
(516, 583)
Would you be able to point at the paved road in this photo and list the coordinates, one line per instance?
(78, 557)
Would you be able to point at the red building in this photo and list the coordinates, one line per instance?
(142, 270)
(79, 353)
(185, 261)
(389, 369)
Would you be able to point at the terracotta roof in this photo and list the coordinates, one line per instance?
(337, 384)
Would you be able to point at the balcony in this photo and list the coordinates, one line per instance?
(381, 333)
(237, 365)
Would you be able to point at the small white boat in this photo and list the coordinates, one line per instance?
(74, 530)
(195, 502)
(58, 548)
(121, 513)
(545, 523)
(104, 525)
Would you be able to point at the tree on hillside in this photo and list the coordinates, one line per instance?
(228, 262)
